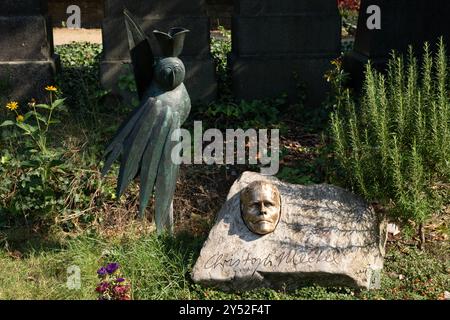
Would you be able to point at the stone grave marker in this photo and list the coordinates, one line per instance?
(325, 236)
(279, 45)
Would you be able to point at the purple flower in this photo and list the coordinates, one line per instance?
(121, 290)
(120, 280)
(102, 271)
(112, 267)
(102, 287)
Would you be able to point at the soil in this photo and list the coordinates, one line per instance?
(65, 36)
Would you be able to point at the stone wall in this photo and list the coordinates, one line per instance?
(91, 12)
(26, 57)
(219, 11)
(277, 45)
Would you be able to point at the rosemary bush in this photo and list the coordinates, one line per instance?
(394, 145)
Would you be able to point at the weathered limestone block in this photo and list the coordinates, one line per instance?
(326, 236)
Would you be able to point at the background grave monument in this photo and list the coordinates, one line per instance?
(26, 40)
(403, 23)
(161, 15)
(326, 236)
(278, 45)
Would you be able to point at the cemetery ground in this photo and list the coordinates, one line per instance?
(63, 36)
(83, 225)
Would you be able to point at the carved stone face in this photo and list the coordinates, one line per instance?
(260, 207)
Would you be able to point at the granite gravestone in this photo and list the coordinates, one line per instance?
(403, 23)
(326, 236)
(160, 15)
(26, 40)
(278, 45)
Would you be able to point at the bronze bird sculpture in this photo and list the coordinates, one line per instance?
(146, 139)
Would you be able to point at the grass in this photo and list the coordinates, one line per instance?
(41, 273)
(159, 268)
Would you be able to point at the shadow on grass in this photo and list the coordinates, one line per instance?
(23, 241)
(183, 242)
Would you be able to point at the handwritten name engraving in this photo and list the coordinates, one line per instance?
(293, 257)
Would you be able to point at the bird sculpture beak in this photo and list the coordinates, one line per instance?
(173, 78)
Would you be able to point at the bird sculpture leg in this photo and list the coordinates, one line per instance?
(168, 224)
(170, 220)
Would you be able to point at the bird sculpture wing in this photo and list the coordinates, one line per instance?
(145, 142)
(141, 54)
(146, 139)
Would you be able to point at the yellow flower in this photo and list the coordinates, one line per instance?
(51, 88)
(20, 118)
(13, 105)
(336, 62)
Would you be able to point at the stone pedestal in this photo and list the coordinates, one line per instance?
(403, 23)
(26, 55)
(278, 45)
(161, 15)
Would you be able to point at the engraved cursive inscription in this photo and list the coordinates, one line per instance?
(287, 257)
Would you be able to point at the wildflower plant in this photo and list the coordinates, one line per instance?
(35, 123)
(30, 156)
(112, 285)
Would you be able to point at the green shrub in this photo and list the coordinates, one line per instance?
(349, 22)
(220, 48)
(394, 145)
(243, 114)
(79, 78)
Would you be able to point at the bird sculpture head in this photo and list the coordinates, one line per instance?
(169, 71)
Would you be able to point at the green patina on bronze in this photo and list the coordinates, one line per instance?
(144, 139)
